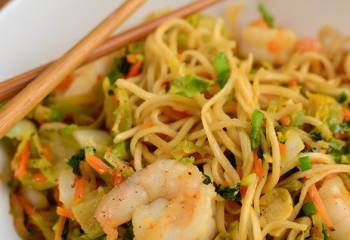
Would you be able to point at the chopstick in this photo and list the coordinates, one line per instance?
(35, 92)
(11, 86)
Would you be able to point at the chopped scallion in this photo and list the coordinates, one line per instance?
(309, 208)
(257, 121)
(265, 14)
(305, 163)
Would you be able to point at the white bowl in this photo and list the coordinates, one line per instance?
(36, 31)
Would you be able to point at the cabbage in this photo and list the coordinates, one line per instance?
(66, 187)
(36, 198)
(23, 129)
(189, 86)
(97, 139)
(294, 145)
(84, 213)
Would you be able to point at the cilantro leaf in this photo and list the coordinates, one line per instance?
(222, 68)
(207, 179)
(74, 162)
(189, 86)
(121, 68)
(342, 97)
(232, 194)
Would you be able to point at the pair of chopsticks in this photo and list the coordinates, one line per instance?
(35, 89)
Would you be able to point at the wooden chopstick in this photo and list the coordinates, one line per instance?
(35, 92)
(13, 85)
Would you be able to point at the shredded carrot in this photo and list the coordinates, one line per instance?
(309, 44)
(131, 58)
(308, 147)
(243, 190)
(273, 46)
(97, 164)
(260, 23)
(25, 205)
(59, 228)
(23, 161)
(65, 212)
(292, 83)
(283, 150)
(284, 120)
(346, 114)
(258, 165)
(65, 84)
(46, 152)
(135, 68)
(39, 178)
(79, 188)
(320, 207)
(147, 123)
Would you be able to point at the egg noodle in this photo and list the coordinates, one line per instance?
(265, 117)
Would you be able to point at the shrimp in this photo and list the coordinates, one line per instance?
(165, 200)
(267, 44)
(337, 201)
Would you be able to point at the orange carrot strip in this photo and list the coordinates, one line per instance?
(46, 152)
(292, 83)
(284, 120)
(346, 114)
(135, 68)
(65, 212)
(59, 228)
(282, 149)
(97, 164)
(79, 188)
(26, 206)
(258, 165)
(243, 190)
(23, 161)
(117, 177)
(320, 207)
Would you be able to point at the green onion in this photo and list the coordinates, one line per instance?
(74, 162)
(325, 232)
(342, 97)
(309, 208)
(305, 163)
(257, 121)
(222, 68)
(266, 15)
(68, 130)
(207, 179)
(189, 86)
(232, 194)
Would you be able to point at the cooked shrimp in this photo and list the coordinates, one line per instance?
(337, 201)
(166, 200)
(267, 44)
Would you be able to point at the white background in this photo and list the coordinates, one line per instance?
(33, 32)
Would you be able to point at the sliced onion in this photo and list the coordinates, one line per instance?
(294, 145)
(92, 138)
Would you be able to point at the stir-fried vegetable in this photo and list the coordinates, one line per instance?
(229, 193)
(257, 122)
(222, 68)
(187, 151)
(309, 208)
(305, 163)
(189, 86)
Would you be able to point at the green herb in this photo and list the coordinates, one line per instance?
(68, 130)
(129, 233)
(74, 162)
(266, 15)
(121, 68)
(342, 97)
(64, 235)
(315, 135)
(187, 160)
(232, 194)
(189, 86)
(257, 121)
(325, 232)
(121, 150)
(309, 208)
(207, 179)
(305, 163)
(222, 68)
